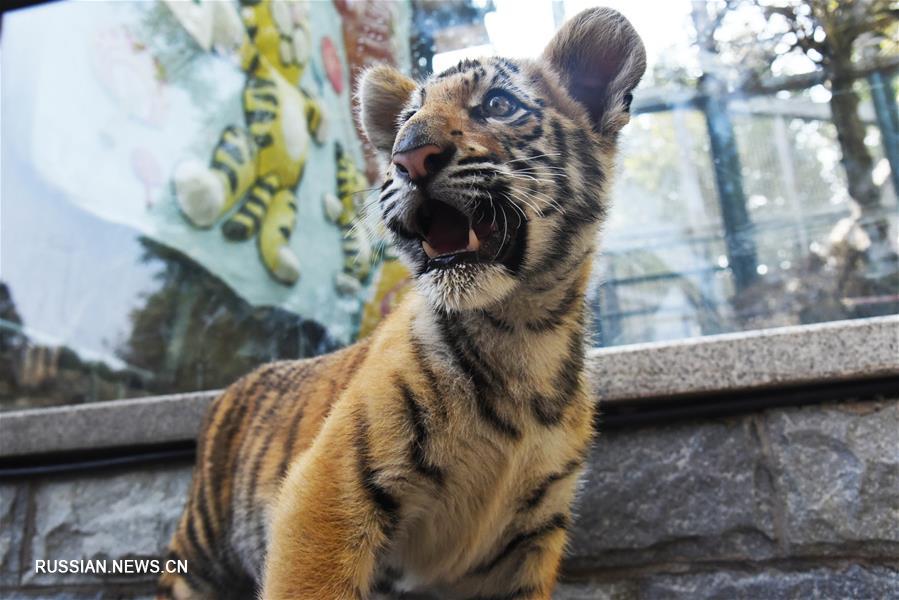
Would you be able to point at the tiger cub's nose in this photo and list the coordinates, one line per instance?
(420, 163)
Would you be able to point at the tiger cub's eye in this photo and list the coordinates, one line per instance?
(500, 104)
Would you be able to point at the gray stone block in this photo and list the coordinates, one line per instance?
(856, 582)
(13, 506)
(691, 490)
(837, 469)
(122, 514)
(112, 593)
(596, 591)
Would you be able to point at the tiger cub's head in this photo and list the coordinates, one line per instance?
(497, 167)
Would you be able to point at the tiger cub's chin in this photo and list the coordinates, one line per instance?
(466, 286)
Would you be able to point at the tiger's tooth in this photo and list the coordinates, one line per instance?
(429, 249)
(473, 242)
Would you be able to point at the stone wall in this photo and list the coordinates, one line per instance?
(783, 503)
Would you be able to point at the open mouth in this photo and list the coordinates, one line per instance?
(449, 237)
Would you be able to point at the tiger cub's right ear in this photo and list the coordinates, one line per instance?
(383, 92)
(601, 59)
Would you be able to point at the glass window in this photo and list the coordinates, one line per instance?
(169, 221)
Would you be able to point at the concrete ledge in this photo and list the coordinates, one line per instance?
(766, 358)
(117, 423)
(844, 350)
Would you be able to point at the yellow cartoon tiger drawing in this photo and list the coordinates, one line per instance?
(440, 455)
(359, 242)
(262, 162)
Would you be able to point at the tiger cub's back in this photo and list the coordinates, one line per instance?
(250, 436)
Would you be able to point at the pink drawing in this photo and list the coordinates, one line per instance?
(331, 60)
(148, 172)
(130, 74)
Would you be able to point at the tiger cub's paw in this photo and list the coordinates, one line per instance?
(287, 266)
(274, 238)
(317, 120)
(200, 193)
(347, 285)
(333, 207)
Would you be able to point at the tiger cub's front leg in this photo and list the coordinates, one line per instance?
(532, 560)
(331, 518)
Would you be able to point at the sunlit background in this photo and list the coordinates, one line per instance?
(756, 188)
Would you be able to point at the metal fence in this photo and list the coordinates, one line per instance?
(698, 278)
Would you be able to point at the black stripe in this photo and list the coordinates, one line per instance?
(201, 508)
(586, 153)
(285, 231)
(533, 135)
(387, 195)
(482, 380)
(255, 200)
(254, 63)
(291, 440)
(386, 184)
(417, 448)
(232, 150)
(515, 260)
(559, 138)
(497, 322)
(593, 175)
(264, 97)
(560, 250)
(253, 217)
(261, 116)
(555, 316)
(508, 64)
(521, 120)
(236, 229)
(418, 353)
(264, 140)
(263, 427)
(252, 495)
(463, 66)
(220, 453)
(470, 160)
(500, 76)
(268, 187)
(531, 501)
(555, 523)
(486, 173)
(199, 561)
(549, 410)
(384, 502)
(222, 457)
(228, 171)
(467, 358)
(257, 83)
(574, 264)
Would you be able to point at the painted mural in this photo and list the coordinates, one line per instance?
(224, 131)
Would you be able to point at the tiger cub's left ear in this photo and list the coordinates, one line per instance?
(601, 58)
(383, 92)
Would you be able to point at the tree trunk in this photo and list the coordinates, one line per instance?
(856, 158)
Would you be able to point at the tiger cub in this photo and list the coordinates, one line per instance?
(440, 455)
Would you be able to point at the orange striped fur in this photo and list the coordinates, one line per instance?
(442, 454)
